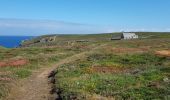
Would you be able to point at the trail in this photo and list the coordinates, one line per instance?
(37, 86)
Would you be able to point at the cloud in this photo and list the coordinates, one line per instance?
(142, 30)
(39, 27)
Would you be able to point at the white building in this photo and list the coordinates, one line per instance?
(129, 36)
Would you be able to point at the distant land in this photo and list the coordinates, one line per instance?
(15, 41)
(12, 41)
(75, 66)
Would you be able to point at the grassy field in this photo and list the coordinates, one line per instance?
(122, 69)
(103, 37)
(20, 62)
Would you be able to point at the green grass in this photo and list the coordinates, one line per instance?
(22, 73)
(127, 60)
(4, 89)
(136, 71)
(117, 85)
(37, 57)
(142, 79)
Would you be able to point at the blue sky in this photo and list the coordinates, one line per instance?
(36, 17)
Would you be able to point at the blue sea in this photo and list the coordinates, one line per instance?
(12, 41)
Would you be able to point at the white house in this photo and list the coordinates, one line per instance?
(129, 36)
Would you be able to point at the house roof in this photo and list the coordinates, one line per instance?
(128, 34)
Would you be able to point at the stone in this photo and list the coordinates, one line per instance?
(166, 79)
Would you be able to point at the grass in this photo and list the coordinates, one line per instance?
(116, 85)
(22, 73)
(37, 57)
(126, 60)
(126, 69)
(137, 76)
(3, 90)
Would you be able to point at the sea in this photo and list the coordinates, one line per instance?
(12, 41)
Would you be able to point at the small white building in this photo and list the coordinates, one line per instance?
(129, 36)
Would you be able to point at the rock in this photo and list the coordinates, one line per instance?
(166, 79)
(52, 74)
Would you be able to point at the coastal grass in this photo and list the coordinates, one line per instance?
(108, 74)
(123, 69)
(35, 57)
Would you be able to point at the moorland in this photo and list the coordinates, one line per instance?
(87, 67)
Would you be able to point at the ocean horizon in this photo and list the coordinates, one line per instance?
(12, 41)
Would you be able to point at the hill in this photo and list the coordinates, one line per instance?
(87, 67)
(50, 40)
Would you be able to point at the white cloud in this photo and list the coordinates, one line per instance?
(39, 27)
(143, 30)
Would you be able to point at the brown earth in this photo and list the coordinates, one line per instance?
(108, 69)
(37, 86)
(127, 50)
(14, 63)
(163, 53)
(5, 79)
(5, 73)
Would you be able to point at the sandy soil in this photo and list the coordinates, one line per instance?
(163, 53)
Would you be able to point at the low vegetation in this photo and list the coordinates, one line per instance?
(18, 63)
(121, 69)
(109, 74)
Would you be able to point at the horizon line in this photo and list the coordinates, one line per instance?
(90, 33)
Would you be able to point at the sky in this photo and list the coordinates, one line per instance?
(37, 17)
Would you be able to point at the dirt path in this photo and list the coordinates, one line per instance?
(37, 86)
